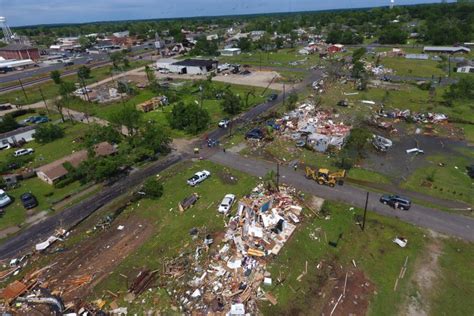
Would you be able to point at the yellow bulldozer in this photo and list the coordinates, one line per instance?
(324, 176)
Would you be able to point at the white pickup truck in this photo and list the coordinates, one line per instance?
(199, 177)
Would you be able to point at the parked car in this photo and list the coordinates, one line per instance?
(23, 152)
(28, 200)
(255, 133)
(199, 177)
(223, 123)
(470, 171)
(226, 203)
(396, 201)
(4, 199)
(41, 120)
(5, 146)
(272, 97)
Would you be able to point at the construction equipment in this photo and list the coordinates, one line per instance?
(324, 176)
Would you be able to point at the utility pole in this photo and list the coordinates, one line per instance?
(230, 128)
(278, 176)
(260, 60)
(284, 94)
(44, 100)
(23, 89)
(365, 210)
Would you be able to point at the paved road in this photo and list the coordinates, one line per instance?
(25, 240)
(443, 222)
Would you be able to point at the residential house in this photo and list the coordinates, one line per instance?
(446, 49)
(20, 135)
(55, 171)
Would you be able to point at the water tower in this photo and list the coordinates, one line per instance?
(7, 33)
(392, 4)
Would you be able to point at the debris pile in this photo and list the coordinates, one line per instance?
(233, 276)
(425, 118)
(316, 128)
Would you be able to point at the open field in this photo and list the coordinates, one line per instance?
(413, 68)
(444, 177)
(456, 280)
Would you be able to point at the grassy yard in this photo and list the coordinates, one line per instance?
(172, 228)
(413, 68)
(46, 195)
(456, 280)
(46, 153)
(373, 251)
(449, 182)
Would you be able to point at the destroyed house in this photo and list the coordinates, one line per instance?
(55, 171)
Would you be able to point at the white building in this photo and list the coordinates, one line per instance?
(231, 51)
(21, 134)
(212, 37)
(465, 69)
(121, 34)
(188, 66)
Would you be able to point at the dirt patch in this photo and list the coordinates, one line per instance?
(81, 268)
(227, 177)
(255, 78)
(355, 298)
(424, 278)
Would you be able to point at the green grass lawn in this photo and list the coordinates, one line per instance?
(368, 176)
(372, 250)
(415, 68)
(454, 290)
(449, 182)
(46, 153)
(46, 195)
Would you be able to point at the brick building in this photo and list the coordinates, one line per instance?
(19, 51)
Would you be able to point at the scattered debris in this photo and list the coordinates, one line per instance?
(188, 202)
(381, 143)
(415, 151)
(230, 277)
(401, 241)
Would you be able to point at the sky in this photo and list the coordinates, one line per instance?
(32, 12)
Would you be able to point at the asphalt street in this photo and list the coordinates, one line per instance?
(442, 222)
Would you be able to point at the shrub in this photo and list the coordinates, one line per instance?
(153, 188)
(47, 133)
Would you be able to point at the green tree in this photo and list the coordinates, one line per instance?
(462, 90)
(245, 44)
(56, 76)
(150, 75)
(84, 73)
(8, 123)
(358, 53)
(393, 34)
(231, 103)
(291, 101)
(46, 133)
(189, 117)
(153, 188)
(97, 133)
(127, 116)
(154, 137)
